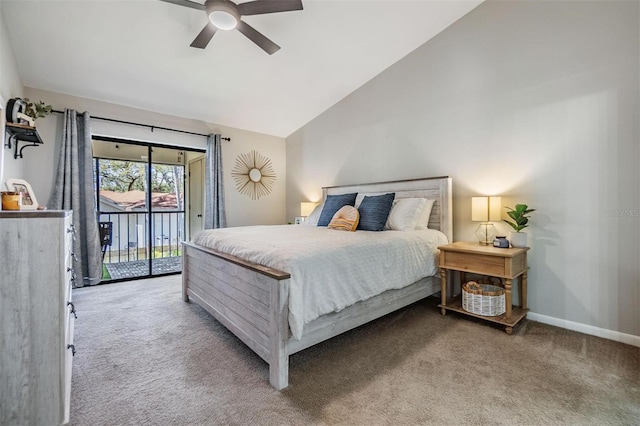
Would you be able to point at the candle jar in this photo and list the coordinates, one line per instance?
(11, 200)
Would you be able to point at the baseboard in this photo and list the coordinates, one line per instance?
(629, 339)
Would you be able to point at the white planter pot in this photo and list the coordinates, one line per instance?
(518, 239)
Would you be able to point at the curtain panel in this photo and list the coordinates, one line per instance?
(74, 190)
(214, 212)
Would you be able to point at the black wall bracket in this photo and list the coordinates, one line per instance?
(19, 133)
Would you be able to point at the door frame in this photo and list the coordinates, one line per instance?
(194, 185)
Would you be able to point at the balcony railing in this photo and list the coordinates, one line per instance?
(130, 242)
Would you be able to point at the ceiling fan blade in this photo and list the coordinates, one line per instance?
(269, 6)
(257, 37)
(186, 3)
(205, 36)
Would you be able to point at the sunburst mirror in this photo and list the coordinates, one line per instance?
(254, 175)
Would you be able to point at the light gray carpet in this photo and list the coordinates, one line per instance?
(147, 358)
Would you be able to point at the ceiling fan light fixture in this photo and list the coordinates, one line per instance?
(223, 14)
(223, 20)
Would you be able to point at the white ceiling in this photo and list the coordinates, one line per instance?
(137, 54)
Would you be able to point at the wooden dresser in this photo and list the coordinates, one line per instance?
(36, 316)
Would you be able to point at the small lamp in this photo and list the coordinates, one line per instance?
(486, 210)
(306, 208)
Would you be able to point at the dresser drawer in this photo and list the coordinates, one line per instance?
(69, 349)
(69, 317)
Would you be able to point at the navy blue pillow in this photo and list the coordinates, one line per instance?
(332, 204)
(374, 212)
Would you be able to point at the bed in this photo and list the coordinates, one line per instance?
(252, 300)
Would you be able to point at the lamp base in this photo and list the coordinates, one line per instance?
(486, 233)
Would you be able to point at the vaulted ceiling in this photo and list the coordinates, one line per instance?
(137, 54)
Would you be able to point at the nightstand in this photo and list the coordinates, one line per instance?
(506, 264)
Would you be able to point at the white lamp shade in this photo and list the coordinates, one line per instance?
(480, 209)
(306, 208)
(486, 209)
(495, 209)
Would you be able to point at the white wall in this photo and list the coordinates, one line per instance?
(10, 87)
(40, 162)
(533, 101)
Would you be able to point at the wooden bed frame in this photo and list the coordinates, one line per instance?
(251, 300)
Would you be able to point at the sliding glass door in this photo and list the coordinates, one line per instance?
(141, 208)
(167, 210)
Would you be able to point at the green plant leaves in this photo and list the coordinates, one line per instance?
(36, 110)
(519, 216)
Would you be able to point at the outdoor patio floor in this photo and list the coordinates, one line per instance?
(140, 268)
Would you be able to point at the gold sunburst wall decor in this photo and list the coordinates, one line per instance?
(254, 175)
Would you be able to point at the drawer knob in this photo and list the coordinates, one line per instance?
(72, 230)
(73, 309)
(73, 349)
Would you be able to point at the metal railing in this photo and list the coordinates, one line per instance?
(130, 235)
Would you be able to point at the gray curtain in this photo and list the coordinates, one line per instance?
(74, 190)
(214, 215)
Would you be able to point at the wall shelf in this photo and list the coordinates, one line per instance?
(21, 133)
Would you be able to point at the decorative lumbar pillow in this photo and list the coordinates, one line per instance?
(374, 212)
(423, 221)
(332, 204)
(345, 219)
(405, 214)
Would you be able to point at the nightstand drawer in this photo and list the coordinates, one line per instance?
(469, 262)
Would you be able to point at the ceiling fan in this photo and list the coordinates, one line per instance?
(225, 15)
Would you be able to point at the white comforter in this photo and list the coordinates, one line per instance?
(331, 269)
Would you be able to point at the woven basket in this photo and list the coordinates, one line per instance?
(483, 299)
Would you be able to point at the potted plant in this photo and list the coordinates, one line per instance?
(520, 220)
(36, 109)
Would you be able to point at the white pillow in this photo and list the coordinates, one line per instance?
(312, 219)
(423, 221)
(405, 213)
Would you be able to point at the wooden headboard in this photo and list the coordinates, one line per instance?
(436, 188)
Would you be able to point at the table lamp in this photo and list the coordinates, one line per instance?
(306, 208)
(486, 210)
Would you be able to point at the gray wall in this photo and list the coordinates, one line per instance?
(38, 166)
(533, 101)
(40, 163)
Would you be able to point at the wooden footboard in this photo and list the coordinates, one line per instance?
(247, 298)
(252, 302)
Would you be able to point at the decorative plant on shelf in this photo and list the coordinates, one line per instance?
(36, 109)
(520, 220)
